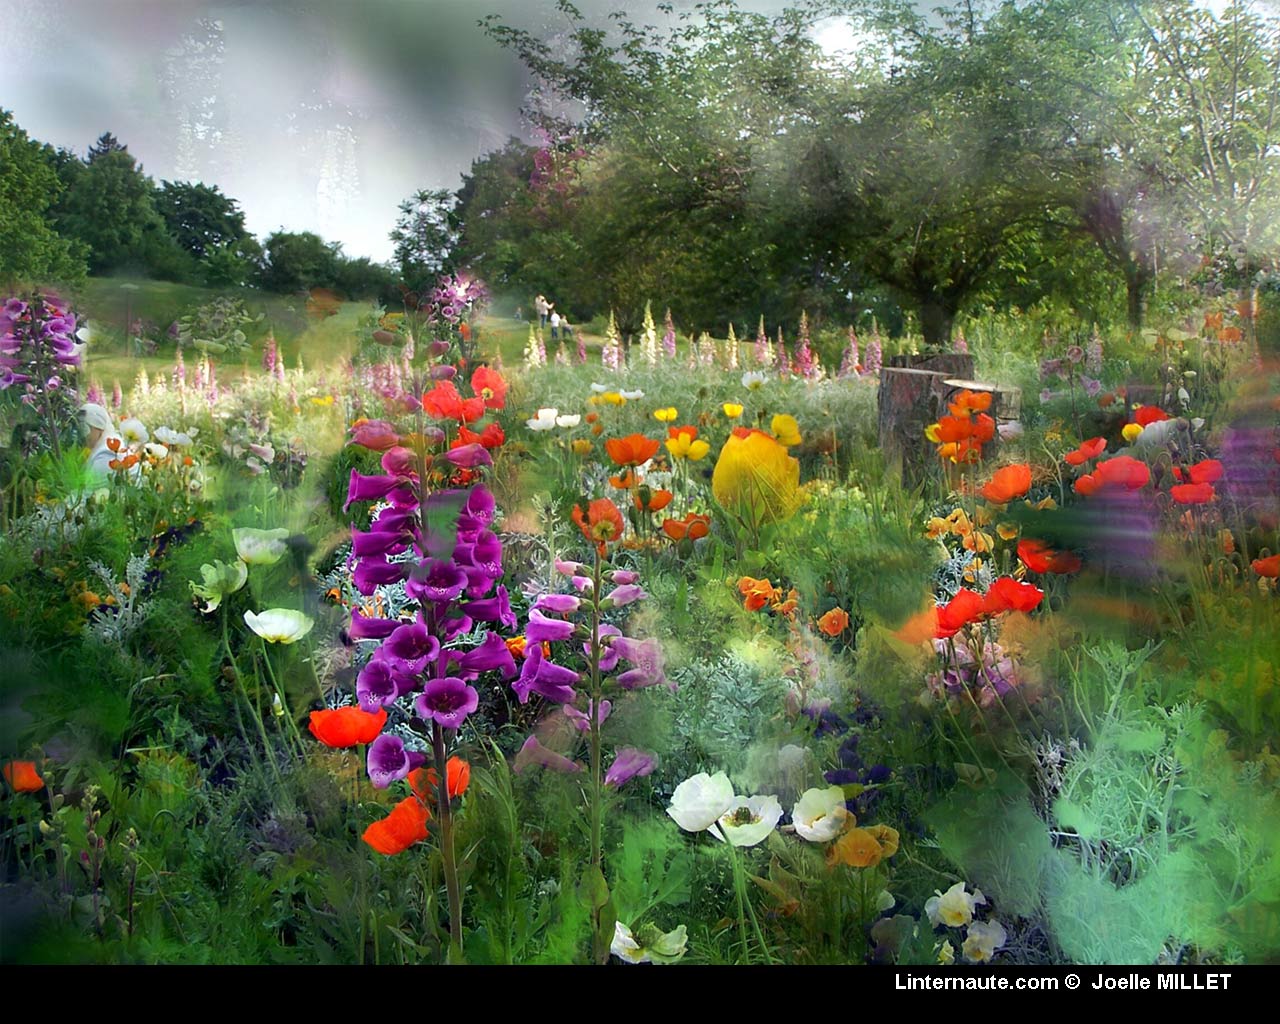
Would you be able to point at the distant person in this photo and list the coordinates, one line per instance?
(565, 329)
(555, 326)
(98, 429)
(542, 308)
(519, 313)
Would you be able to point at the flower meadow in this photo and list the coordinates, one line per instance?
(642, 654)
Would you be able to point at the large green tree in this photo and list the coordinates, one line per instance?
(199, 216)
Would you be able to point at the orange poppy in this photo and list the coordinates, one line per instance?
(857, 848)
(490, 386)
(966, 607)
(920, 627)
(658, 500)
(1008, 595)
(632, 450)
(464, 329)
(492, 436)
(1213, 321)
(757, 593)
(693, 525)
(24, 778)
(444, 403)
(515, 646)
(425, 783)
(1191, 494)
(834, 622)
(1269, 567)
(788, 606)
(399, 830)
(1037, 556)
(113, 444)
(347, 727)
(1088, 450)
(1122, 471)
(1230, 334)
(1007, 483)
(601, 523)
(968, 402)
(1207, 471)
(623, 481)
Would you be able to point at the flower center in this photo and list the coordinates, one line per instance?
(743, 816)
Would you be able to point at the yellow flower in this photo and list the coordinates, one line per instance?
(732, 409)
(938, 527)
(958, 520)
(666, 415)
(1007, 531)
(613, 398)
(580, 446)
(756, 478)
(686, 446)
(786, 430)
(322, 400)
(1131, 431)
(933, 432)
(979, 542)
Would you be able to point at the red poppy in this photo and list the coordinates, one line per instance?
(491, 437)
(1008, 595)
(426, 783)
(1090, 449)
(1037, 556)
(347, 727)
(658, 500)
(24, 778)
(490, 386)
(601, 524)
(443, 402)
(964, 608)
(1269, 567)
(1207, 472)
(1007, 483)
(624, 481)
(693, 525)
(632, 450)
(1148, 414)
(1122, 471)
(1191, 494)
(399, 830)
(954, 428)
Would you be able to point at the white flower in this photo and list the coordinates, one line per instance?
(568, 421)
(953, 908)
(545, 420)
(260, 547)
(699, 801)
(217, 581)
(631, 396)
(174, 438)
(279, 625)
(157, 451)
(649, 945)
(947, 954)
(599, 389)
(983, 939)
(884, 901)
(133, 431)
(820, 814)
(753, 380)
(749, 820)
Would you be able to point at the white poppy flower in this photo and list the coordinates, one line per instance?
(260, 547)
(545, 420)
(753, 380)
(173, 438)
(699, 801)
(217, 581)
(749, 820)
(133, 431)
(599, 389)
(157, 451)
(279, 625)
(649, 946)
(632, 396)
(953, 908)
(983, 939)
(820, 814)
(568, 421)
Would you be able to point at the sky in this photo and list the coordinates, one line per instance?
(316, 115)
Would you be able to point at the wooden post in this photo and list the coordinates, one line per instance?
(907, 405)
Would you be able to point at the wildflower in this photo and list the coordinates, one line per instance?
(545, 419)
(1192, 494)
(580, 447)
(23, 776)
(946, 954)
(834, 622)
(698, 802)
(753, 380)
(648, 945)
(732, 410)
(757, 593)
(965, 607)
(857, 848)
(748, 820)
(756, 478)
(448, 701)
(279, 625)
(1268, 567)
(443, 402)
(629, 763)
(218, 581)
(632, 450)
(1145, 415)
(683, 443)
(1207, 471)
(693, 526)
(1131, 431)
(666, 415)
(1037, 556)
(820, 814)
(567, 422)
(1122, 472)
(954, 908)
(1007, 483)
(490, 387)
(601, 523)
(346, 727)
(967, 402)
(534, 755)
(983, 939)
(260, 547)
(389, 761)
(404, 826)
(655, 501)
(1007, 594)
(785, 430)
(133, 431)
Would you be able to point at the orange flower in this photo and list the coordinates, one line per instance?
(515, 646)
(788, 606)
(444, 403)
(1037, 556)
(425, 783)
(24, 778)
(399, 830)
(964, 608)
(1269, 567)
(968, 402)
(1008, 595)
(920, 627)
(623, 481)
(1145, 415)
(1122, 471)
(757, 593)
(1230, 334)
(632, 450)
(693, 526)
(658, 500)
(1192, 494)
(1088, 450)
(490, 386)
(458, 776)
(346, 727)
(857, 848)
(602, 522)
(834, 622)
(1007, 483)
(464, 329)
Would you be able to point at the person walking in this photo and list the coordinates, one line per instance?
(542, 308)
(555, 326)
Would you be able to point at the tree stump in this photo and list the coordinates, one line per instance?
(908, 403)
(953, 364)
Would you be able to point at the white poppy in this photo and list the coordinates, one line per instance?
(820, 814)
(983, 939)
(753, 380)
(260, 547)
(649, 945)
(749, 820)
(953, 908)
(133, 431)
(279, 625)
(599, 389)
(174, 438)
(157, 451)
(632, 396)
(568, 421)
(217, 581)
(545, 420)
(699, 801)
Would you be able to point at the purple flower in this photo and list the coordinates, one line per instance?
(480, 505)
(646, 661)
(582, 719)
(534, 755)
(378, 542)
(380, 684)
(555, 682)
(624, 577)
(435, 580)
(399, 462)
(454, 627)
(443, 372)
(629, 763)
(367, 628)
(375, 572)
(494, 609)
(447, 701)
(412, 647)
(389, 761)
(566, 568)
(486, 554)
(621, 596)
(363, 487)
(468, 456)
(582, 584)
(491, 655)
(559, 604)
(542, 629)
(608, 656)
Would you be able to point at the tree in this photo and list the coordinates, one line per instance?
(30, 249)
(298, 261)
(425, 236)
(199, 217)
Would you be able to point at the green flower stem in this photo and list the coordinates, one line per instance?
(257, 716)
(596, 787)
(446, 835)
(284, 701)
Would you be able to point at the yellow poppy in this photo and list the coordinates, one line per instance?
(732, 409)
(666, 415)
(756, 478)
(785, 430)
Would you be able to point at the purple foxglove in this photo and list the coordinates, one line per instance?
(541, 628)
(486, 554)
(378, 542)
(454, 627)
(380, 684)
(534, 755)
(559, 604)
(388, 760)
(619, 597)
(399, 462)
(491, 655)
(479, 582)
(367, 628)
(624, 577)
(608, 656)
(629, 763)
(468, 456)
(443, 372)
(554, 682)
(374, 572)
(447, 701)
(494, 609)
(582, 584)
(435, 580)
(582, 719)
(362, 487)
(411, 646)
(566, 568)
(646, 661)
(480, 505)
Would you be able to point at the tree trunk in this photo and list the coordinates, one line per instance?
(1137, 282)
(908, 403)
(936, 319)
